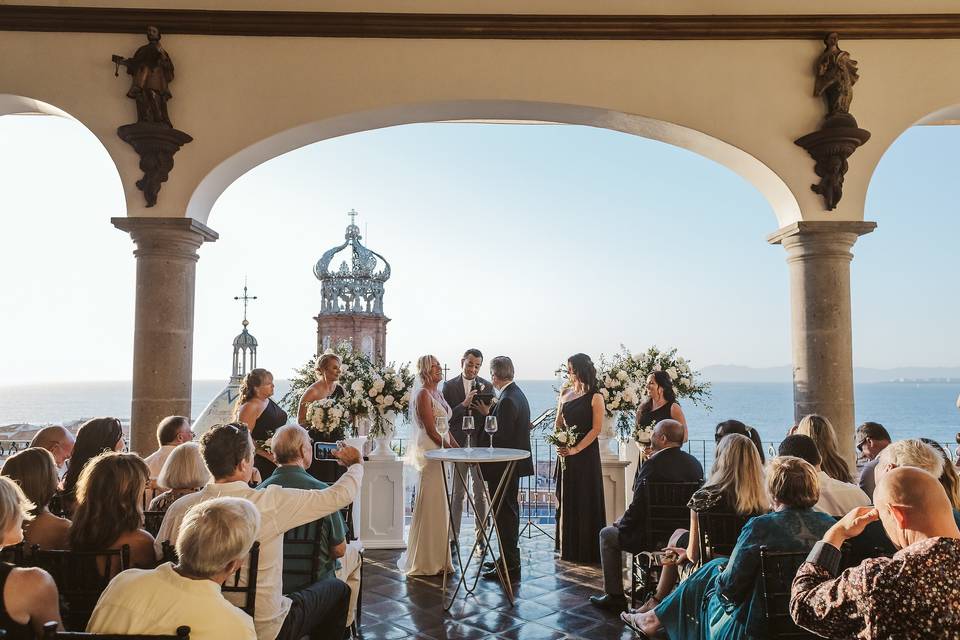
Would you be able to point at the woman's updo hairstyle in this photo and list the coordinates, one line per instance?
(582, 366)
(323, 361)
(248, 388)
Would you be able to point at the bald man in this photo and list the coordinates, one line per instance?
(914, 594)
(58, 441)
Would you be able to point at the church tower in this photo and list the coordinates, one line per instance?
(351, 306)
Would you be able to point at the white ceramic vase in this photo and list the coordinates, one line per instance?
(381, 444)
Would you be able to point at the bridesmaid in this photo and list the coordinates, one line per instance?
(580, 510)
(261, 414)
(328, 373)
(661, 404)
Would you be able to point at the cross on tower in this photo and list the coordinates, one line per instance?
(446, 371)
(353, 217)
(245, 299)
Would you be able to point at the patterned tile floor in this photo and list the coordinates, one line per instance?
(551, 602)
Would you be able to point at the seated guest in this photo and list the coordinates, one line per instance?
(836, 497)
(823, 434)
(93, 438)
(667, 463)
(724, 598)
(228, 451)
(872, 438)
(914, 594)
(183, 473)
(108, 513)
(736, 485)
(215, 538)
(735, 426)
(949, 478)
(28, 597)
(293, 451)
(171, 432)
(909, 453)
(58, 441)
(35, 470)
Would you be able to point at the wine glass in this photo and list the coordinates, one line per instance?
(443, 427)
(468, 429)
(490, 426)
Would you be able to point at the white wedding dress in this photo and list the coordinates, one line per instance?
(428, 548)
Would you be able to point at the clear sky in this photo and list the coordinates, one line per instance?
(535, 241)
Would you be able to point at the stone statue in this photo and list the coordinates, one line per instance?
(836, 74)
(152, 72)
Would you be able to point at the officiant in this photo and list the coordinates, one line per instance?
(462, 393)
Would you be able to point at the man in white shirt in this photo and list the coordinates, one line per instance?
(837, 498)
(319, 609)
(171, 432)
(215, 538)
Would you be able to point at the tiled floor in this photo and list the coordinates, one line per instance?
(551, 602)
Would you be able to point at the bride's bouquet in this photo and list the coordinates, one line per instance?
(563, 437)
(329, 420)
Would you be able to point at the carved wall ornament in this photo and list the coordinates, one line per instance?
(839, 135)
(152, 136)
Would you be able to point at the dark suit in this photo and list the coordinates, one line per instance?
(668, 465)
(513, 432)
(626, 534)
(454, 394)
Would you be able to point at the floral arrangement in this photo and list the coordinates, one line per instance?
(563, 437)
(371, 390)
(329, 419)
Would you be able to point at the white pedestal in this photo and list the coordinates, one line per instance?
(614, 488)
(630, 453)
(378, 512)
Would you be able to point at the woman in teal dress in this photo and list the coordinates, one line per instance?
(723, 600)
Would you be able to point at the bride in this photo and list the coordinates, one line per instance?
(428, 551)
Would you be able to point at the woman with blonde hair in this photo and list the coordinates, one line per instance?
(256, 409)
(109, 512)
(948, 478)
(184, 472)
(35, 470)
(823, 434)
(28, 596)
(724, 597)
(327, 372)
(736, 485)
(428, 550)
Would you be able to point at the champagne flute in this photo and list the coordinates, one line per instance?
(443, 427)
(490, 426)
(468, 429)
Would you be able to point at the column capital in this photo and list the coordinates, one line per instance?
(166, 237)
(816, 229)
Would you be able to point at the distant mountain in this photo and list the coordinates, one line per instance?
(736, 373)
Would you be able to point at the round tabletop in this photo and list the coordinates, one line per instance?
(476, 454)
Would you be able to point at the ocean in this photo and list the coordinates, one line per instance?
(906, 409)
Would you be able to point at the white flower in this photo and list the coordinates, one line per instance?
(357, 386)
(605, 393)
(372, 392)
(562, 437)
(389, 370)
(672, 372)
(380, 400)
(622, 375)
(388, 400)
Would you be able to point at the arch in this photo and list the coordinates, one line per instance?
(764, 179)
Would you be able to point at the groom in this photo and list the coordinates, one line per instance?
(513, 432)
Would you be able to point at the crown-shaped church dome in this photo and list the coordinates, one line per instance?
(352, 276)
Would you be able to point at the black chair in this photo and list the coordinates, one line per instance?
(152, 521)
(232, 585)
(718, 533)
(81, 576)
(149, 493)
(302, 546)
(14, 554)
(50, 633)
(665, 511)
(777, 571)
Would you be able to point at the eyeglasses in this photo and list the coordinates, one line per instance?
(861, 443)
(237, 428)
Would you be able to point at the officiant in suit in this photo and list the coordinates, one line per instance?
(461, 393)
(513, 432)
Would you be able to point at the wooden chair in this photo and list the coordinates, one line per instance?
(665, 511)
(232, 585)
(50, 633)
(81, 576)
(777, 571)
(152, 521)
(14, 554)
(719, 532)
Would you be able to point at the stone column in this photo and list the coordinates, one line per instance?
(166, 256)
(819, 257)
